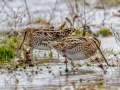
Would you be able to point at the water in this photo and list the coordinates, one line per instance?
(43, 80)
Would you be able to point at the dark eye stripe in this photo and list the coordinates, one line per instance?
(96, 41)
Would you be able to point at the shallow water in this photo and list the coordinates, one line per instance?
(37, 79)
(43, 80)
(46, 81)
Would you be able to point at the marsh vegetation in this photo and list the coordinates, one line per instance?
(27, 69)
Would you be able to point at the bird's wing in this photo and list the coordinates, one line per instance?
(70, 42)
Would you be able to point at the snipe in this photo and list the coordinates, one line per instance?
(76, 48)
(37, 36)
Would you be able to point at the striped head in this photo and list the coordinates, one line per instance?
(29, 32)
(69, 31)
(90, 46)
(97, 41)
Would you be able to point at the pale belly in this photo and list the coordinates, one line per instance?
(75, 56)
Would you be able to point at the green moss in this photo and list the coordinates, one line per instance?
(47, 60)
(104, 32)
(13, 41)
(108, 51)
(7, 48)
(3, 33)
(2, 42)
(105, 2)
(110, 2)
(50, 55)
(100, 85)
(6, 53)
(113, 2)
(38, 20)
(78, 32)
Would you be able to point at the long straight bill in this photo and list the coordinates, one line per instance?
(23, 40)
(102, 55)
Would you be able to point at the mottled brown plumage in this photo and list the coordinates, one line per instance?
(37, 36)
(76, 48)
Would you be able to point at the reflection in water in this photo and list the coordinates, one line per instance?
(43, 79)
(46, 81)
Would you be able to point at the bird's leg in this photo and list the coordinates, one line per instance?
(28, 59)
(65, 56)
(66, 69)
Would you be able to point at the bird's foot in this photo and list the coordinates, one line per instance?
(66, 70)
